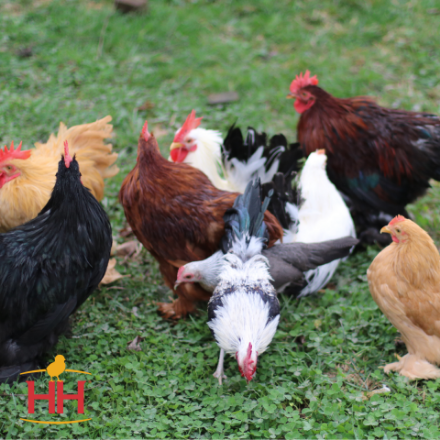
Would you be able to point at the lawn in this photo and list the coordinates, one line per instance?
(315, 381)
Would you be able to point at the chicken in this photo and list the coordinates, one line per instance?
(289, 265)
(56, 368)
(176, 213)
(320, 215)
(28, 177)
(244, 311)
(48, 268)
(320, 230)
(238, 160)
(404, 280)
(381, 158)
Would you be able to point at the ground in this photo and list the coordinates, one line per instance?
(77, 61)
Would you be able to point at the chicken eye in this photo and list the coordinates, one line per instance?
(8, 167)
(398, 230)
(187, 277)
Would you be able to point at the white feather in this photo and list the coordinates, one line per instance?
(244, 316)
(208, 159)
(323, 216)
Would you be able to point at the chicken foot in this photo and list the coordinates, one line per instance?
(219, 373)
(414, 368)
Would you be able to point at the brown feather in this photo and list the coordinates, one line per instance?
(177, 214)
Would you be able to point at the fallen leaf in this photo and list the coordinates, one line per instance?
(127, 249)
(135, 345)
(111, 273)
(147, 105)
(114, 246)
(126, 232)
(369, 394)
(222, 98)
(126, 6)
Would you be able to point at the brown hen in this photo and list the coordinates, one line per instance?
(177, 214)
(404, 281)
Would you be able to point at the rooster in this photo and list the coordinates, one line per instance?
(177, 214)
(48, 268)
(381, 158)
(243, 312)
(404, 280)
(238, 160)
(27, 177)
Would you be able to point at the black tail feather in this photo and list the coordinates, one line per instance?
(245, 218)
(235, 146)
(284, 191)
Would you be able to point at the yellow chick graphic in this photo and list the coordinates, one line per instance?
(56, 368)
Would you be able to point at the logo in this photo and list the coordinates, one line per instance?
(55, 395)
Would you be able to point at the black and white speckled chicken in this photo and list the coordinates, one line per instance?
(244, 309)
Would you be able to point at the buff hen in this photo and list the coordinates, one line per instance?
(28, 177)
(404, 280)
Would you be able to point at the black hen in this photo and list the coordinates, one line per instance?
(48, 268)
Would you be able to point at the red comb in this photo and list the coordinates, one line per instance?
(144, 132)
(397, 219)
(302, 81)
(190, 124)
(67, 156)
(13, 154)
(249, 369)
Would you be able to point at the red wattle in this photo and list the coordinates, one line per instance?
(301, 106)
(178, 154)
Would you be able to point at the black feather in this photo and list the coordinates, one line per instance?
(48, 268)
(235, 146)
(246, 216)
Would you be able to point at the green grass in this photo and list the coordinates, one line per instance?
(89, 61)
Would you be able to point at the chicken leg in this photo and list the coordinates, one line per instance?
(219, 373)
(414, 368)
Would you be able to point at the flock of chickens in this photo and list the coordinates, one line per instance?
(231, 221)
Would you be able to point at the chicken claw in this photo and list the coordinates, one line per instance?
(414, 368)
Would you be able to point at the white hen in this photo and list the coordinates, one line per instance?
(323, 215)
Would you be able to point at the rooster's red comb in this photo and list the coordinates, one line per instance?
(145, 132)
(397, 219)
(190, 124)
(67, 156)
(6, 154)
(302, 81)
(249, 368)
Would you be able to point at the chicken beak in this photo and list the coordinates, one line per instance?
(175, 145)
(386, 229)
(291, 96)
